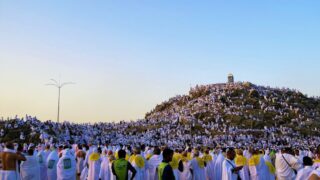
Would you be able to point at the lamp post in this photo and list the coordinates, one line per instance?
(58, 85)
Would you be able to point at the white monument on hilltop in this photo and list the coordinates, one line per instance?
(230, 78)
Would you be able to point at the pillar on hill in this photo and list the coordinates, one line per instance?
(230, 78)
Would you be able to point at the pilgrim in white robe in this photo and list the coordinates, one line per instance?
(105, 171)
(80, 164)
(284, 166)
(140, 167)
(66, 167)
(153, 163)
(218, 166)
(43, 165)
(304, 173)
(210, 170)
(94, 166)
(199, 173)
(258, 168)
(186, 173)
(227, 173)
(30, 169)
(9, 175)
(52, 161)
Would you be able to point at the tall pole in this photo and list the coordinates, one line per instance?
(59, 86)
(58, 118)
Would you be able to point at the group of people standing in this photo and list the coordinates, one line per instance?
(110, 162)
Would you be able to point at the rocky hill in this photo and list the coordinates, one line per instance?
(242, 105)
(207, 111)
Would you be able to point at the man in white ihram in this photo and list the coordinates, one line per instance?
(66, 167)
(229, 169)
(287, 165)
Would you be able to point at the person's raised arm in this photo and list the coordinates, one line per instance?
(132, 169)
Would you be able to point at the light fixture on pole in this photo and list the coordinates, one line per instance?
(58, 85)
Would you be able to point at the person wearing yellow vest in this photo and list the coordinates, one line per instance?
(186, 173)
(139, 163)
(207, 157)
(164, 169)
(121, 167)
(240, 160)
(176, 164)
(198, 166)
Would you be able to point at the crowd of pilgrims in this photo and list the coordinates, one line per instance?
(208, 148)
(140, 162)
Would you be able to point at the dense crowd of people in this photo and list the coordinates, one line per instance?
(200, 136)
(141, 162)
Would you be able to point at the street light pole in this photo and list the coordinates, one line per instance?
(59, 86)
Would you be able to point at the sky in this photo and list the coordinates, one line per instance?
(127, 56)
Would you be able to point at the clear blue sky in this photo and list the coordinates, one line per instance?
(127, 56)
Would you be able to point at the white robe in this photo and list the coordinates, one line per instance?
(210, 170)
(260, 171)
(66, 167)
(94, 169)
(186, 173)
(52, 161)
(304, 173)
(141, 172)
(43, 165)
(198, 172)
(153, 163)
(80, 164)
(284, 171)
(227, 167)
(105, 171)
(30, 169)
(8, 175)
(218, 167)
(316, 172)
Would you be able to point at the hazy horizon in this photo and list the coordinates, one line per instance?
(128, 56)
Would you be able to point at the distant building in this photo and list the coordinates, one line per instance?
(230, 78)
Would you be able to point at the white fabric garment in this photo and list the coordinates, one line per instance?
(66, 167)
(227, 167)
(260, 171)
(186, 173)
(218, 166)
(210, 170)
(153, 163)
(105, 171)
(42, 157)
(30, 169)
(304, 173)
(244, 173)
(316, 172)
(94, 169)
(8, 175)
(84, 173)
(284, 170)
(80, 164)
(198, 172)
(141, 172)
(52, 161)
